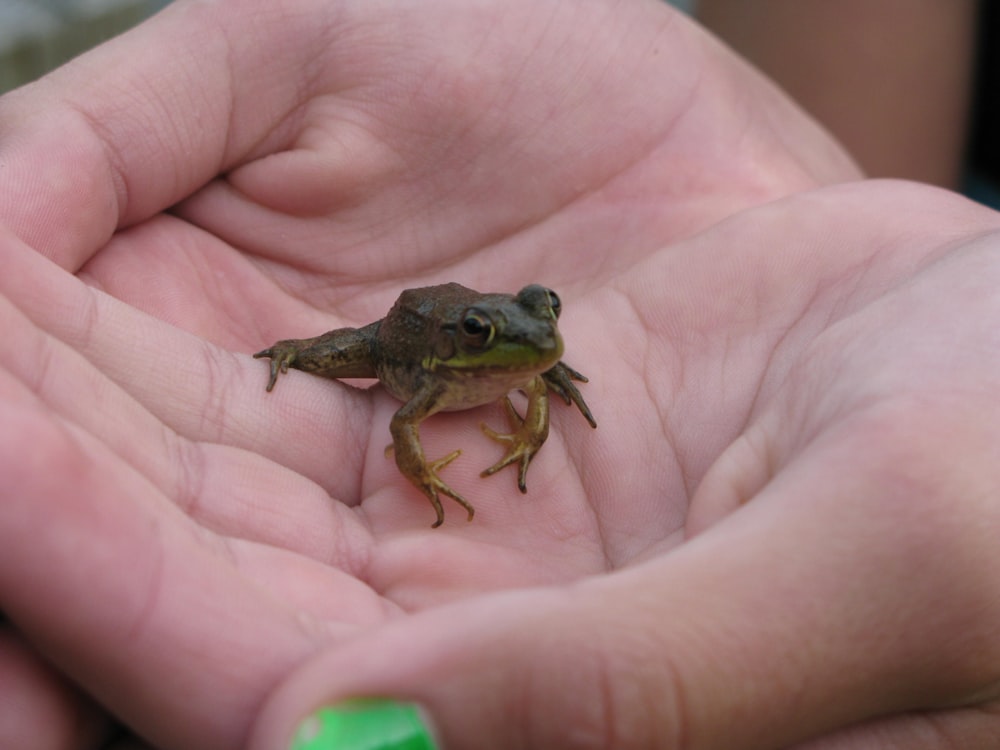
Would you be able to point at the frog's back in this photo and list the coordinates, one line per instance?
(434, 303)
(410, 332)
(418, 313)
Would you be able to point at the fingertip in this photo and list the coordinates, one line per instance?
(366, 724)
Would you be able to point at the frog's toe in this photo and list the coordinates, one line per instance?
(440, 464)
(523, 459)
(438, 486)
(518, 451)
(438, 508)
(275, 369)
(560, 380)
(281, 357)
(470, 511)
(433, 486)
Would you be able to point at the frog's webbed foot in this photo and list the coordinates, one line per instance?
(436, 485)
(282, 355)
(522, 444)
(432, 485)
(560, 379)
(428, 482)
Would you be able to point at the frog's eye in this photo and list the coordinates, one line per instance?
(554, 302)
(476, 330)
(539, 302)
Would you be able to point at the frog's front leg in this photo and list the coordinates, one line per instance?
(342, 353)
(410, 457)
(560, 379)
(529, 432)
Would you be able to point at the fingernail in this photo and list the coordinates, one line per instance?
(365, 724)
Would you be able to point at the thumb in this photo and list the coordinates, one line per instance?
(781, 623)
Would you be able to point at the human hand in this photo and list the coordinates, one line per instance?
(336, 216)
(832, 580)
(334, 193)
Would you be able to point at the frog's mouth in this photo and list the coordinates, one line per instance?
(504, 357)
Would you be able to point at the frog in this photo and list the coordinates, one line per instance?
(449, 348)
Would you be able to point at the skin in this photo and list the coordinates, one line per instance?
(784, 533)
(447, 348)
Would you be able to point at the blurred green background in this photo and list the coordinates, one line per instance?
(38, 35)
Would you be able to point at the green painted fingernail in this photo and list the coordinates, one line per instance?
(364, 724)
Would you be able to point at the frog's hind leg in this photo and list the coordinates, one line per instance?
(413, 465)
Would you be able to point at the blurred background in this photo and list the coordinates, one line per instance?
(38, 35)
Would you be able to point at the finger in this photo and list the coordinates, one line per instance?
(209, 87)
(404, 162)
(140, 122)
(130, 600)
(231, 490)
(151, 375)
(974, 728)
(228, 490)
(38, 707)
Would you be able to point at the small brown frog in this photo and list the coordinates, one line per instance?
(447, 348)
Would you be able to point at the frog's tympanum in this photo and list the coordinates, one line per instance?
(444, 348)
